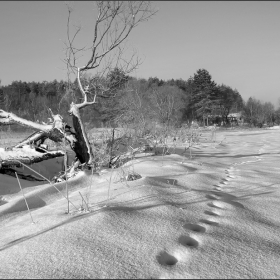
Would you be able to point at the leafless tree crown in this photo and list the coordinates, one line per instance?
(114, 22)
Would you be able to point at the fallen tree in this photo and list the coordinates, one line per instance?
(114, 22)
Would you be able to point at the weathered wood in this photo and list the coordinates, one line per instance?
(81, 147)
(35, 138)
(55, 131)
(6, 117)
(26, 155)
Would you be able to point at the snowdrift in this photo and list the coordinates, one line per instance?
(213, 216)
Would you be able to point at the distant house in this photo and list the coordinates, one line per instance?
(234, 118)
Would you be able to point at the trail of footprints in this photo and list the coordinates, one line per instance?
(218, 200)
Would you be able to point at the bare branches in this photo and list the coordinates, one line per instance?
(85, 93)
(114, 22)
(71, 51)
(12, 118)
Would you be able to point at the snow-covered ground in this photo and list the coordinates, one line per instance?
(214, 216)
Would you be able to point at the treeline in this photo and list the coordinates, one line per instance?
(139, 102)
(31, 100)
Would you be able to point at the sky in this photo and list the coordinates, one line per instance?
(237, 42)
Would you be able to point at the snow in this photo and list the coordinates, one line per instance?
(275, 127)
(214, 216)
(25, 154)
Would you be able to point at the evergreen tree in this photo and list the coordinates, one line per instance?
(204, 94)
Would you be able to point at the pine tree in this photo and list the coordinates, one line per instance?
(203, 94)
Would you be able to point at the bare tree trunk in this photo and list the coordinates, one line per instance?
(81, 146)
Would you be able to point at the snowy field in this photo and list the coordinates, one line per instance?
(214, 216)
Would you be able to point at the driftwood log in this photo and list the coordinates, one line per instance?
(31, 149)
(56, 131)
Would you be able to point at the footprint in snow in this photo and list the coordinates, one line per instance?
(211, 213)
(209, 222)
(227, 198)
(165, 258)
(188, 241)
(194, 227)
(224, 182)
(214, 205)
(217, 187)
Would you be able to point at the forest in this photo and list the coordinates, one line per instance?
(138, 102)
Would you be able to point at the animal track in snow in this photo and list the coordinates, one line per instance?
(217, 187)
(227, 198)
(224, 181)
(214, 205)
(188, 241)
(209, 222)
(165, 258)
(194, 227)
(211, 213)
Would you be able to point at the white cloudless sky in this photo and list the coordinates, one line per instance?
(238, 42)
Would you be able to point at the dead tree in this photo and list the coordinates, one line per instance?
(114, 22)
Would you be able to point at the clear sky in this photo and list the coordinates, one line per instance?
(237, 42)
